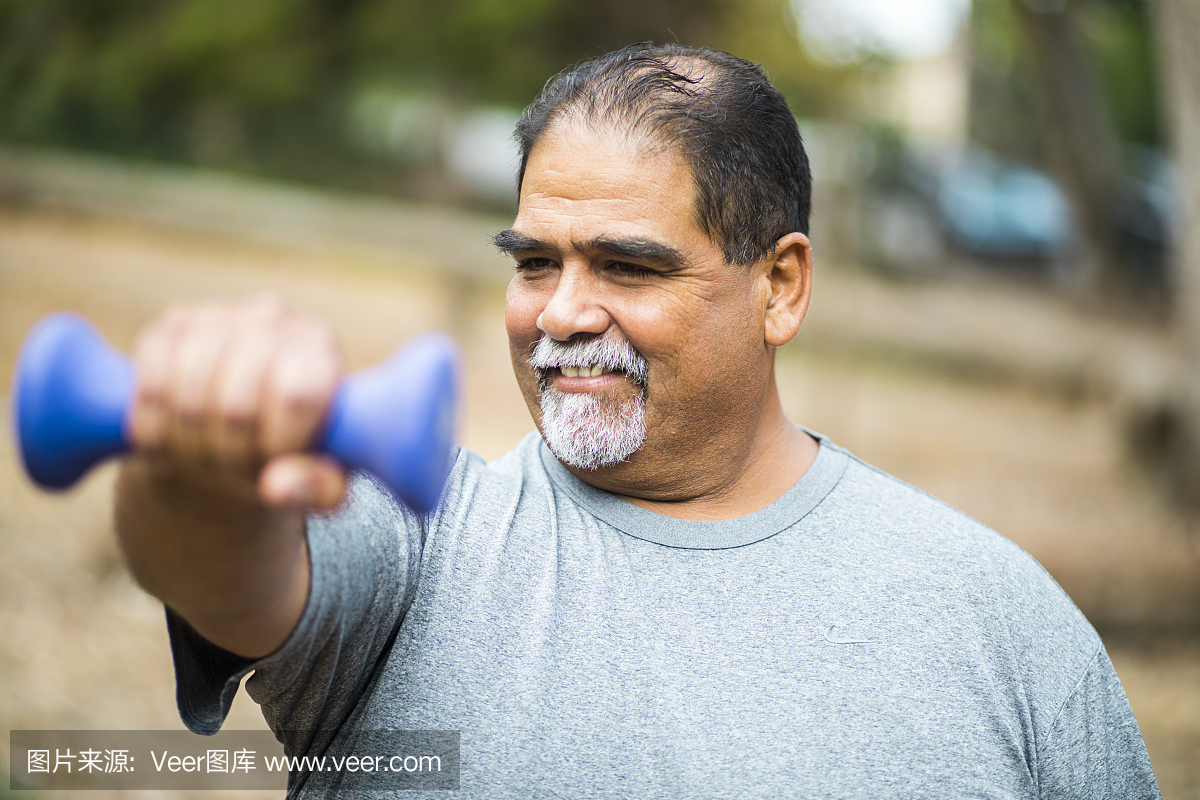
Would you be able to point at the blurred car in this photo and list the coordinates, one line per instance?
(992, 208)
(922, 209)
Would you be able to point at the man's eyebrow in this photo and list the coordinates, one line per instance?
(510, 241)
(641, 249)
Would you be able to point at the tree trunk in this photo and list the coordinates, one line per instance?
(1178, 30)
(1085, 142)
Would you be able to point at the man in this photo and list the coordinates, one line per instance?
(679, 593)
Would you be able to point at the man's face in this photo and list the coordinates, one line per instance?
(609, 257)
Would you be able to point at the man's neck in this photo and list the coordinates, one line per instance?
(719, 485)
(763, 482)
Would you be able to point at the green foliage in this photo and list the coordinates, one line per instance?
(1121, 39)
(116, 73)
(1004, 112)
(1006, 107)
(764, 31)
(267, 84)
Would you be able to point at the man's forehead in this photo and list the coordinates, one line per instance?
(593, 190)
(573, 157)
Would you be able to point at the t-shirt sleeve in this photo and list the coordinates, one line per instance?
(365, 559)
(1094, 749)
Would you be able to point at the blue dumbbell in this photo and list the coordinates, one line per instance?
(72, 393)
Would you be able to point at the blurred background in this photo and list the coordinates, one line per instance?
(1007, 299)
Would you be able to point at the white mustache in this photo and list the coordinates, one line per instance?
(609, 352)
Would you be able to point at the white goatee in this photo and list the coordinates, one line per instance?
(580, 429)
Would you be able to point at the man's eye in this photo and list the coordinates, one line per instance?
(631, 270)
(533, 264)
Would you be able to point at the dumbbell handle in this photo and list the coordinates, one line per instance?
(72, 393)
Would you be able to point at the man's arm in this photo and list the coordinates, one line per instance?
(1094, 749)
(210, 508)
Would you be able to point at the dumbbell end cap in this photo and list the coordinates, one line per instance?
(396, 420)
(70, 395)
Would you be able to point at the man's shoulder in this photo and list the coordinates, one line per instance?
(900, 512)
(958, 578)
(933, 546)
(475, 485)
(520, 464)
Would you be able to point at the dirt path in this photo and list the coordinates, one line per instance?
(83, 648)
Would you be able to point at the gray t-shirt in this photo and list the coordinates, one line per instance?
(855, 639)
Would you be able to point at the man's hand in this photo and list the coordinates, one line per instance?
(210, 508)
(228, 388)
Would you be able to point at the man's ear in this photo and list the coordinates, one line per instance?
(788, 279)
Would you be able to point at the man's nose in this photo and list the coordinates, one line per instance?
(573, 308)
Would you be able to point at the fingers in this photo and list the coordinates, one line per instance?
(238, 396)
(230, 385)
(199, 343)
(301, 381)
(299, 481)
(149, 417)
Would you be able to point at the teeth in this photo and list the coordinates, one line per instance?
(584, 372)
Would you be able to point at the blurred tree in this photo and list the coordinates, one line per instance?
(1121, 43)
(1084, 140)
(150, 77)
(265, 84)
(1070, 85)
(504, 50)
(1178, 27)
(1004, 112)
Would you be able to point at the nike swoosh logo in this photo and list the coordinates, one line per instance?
(829, 637)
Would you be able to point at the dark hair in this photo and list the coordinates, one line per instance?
(728, 121)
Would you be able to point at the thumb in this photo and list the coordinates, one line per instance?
(302, 481)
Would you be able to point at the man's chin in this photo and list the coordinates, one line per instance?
(587, 433)
(585, 462)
